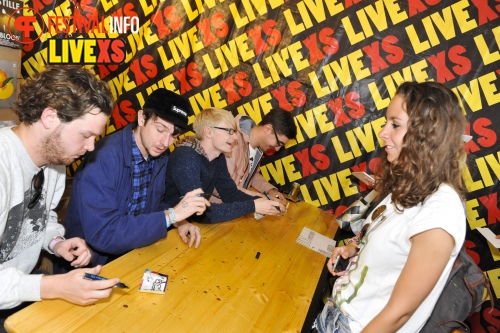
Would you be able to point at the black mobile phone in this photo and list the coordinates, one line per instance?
(340, 264)
(205, 195)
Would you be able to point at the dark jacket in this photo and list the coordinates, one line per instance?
(98, 205)
(189, 169)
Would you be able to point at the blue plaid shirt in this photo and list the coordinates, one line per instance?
(142, 170)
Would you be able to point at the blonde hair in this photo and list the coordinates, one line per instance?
(211, 117)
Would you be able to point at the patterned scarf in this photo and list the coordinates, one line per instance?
(193, 142)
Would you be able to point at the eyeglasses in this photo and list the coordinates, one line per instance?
(36, 188)
(279, 143)
(229, 130)
(375, 215)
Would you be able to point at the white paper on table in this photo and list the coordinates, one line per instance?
(490, 236)
(316, 242)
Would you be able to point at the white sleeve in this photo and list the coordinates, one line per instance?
(54, 228)
(444, 210)
(15, 286)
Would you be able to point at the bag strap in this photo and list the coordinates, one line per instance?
(467, 329)
(487, 286)
(371, 196)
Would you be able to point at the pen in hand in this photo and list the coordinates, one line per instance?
(269, 197)
(94, 277)
(205, 195)
(336, 262)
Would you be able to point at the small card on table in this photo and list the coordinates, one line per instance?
(316, 242)
(153, 282)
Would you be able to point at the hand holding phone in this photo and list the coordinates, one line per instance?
(364, 177)
(340, 264)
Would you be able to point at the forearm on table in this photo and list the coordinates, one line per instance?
(228, 211)
(49, 287)
(120, 234)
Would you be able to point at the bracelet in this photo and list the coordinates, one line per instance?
(54, 241)
(354, 239)
(168, 219)
(173, 218)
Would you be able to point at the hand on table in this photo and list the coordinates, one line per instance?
(190, 204)
(74, 250)
(189, 232)
(268, 207)
(277, 196)
(73, 288)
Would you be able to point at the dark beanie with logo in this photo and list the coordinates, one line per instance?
(170, 107)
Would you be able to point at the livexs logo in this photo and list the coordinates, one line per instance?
(86, 51)
(76, 39)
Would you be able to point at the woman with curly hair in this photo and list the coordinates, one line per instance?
(400, 262)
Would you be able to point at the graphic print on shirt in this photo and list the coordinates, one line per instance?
(23, 227)
(378, 216)
(343, 282)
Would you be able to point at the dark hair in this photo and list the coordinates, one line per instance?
(71, 90)
(150, 114)
(169, 106)
(433, 152)
(282, 122)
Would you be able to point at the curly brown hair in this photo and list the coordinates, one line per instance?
(433, 152)
(71, 90)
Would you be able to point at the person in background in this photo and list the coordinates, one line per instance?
(401, 260)
(61, 111)
(116, 200)
(199, 162)
(273, 132)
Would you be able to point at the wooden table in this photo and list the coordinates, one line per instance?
(219, 287)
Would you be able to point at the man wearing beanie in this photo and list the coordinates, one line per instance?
(116, 200)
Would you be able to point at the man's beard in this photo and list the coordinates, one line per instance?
(52, 148)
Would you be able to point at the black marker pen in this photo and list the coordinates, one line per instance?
(269, 197)
(205, 195)
(94, 277)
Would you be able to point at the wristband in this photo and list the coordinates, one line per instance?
(352, 240)
(173, 218)
(54, 241)
(167, 218)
